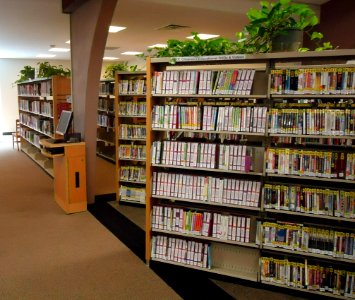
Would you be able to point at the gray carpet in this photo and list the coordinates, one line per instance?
(46, 254)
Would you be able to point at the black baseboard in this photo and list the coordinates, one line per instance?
(188, 283)
(105, 197)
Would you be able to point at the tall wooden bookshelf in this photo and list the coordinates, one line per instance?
(131, 137)
(251, 167)
(40, 103)
(106, 132)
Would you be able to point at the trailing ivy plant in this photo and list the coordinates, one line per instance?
(195, 47)
(45, 70)
(26, 73)
(111, 69)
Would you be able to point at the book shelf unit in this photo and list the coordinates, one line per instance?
(131, 137)
(106, 136)
(252, 176)
(40, 104)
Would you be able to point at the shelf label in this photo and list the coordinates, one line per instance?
(210, 57)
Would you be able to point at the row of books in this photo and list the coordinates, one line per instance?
(176, 117)
(132, 86)
(299, 237)
(38, 123)
(211, 136)
(207, 189)
(205, 155)
(318, 141)
(105, 120)
(202, 155)
(132, 108)
(203, 82)
(132, 131)
(323, 277)
(132, 173)
(106, 104)
(318, 201)
(42, 88)
(107, 88)
(313, 81)
(325, 164)
(181, 251)
(31, 136)
(220, 118)
(201, 223)
(36, 107)
(312, 121)
(132, 194)
(129, 151)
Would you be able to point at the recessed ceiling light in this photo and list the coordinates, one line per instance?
(110, 58)
(67, 42)
(45, 55)
(158, 46)
(131, 53)
(204, 36)
(59, 49)
(114, 29)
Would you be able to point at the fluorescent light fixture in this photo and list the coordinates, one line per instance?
(67, 42)
(131, 53)
(45, 55)
(110, 58)
(204, 36)
(114, 29)
(158, 46)
(59, 49)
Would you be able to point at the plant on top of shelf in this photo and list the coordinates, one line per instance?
(194, 47)
(277, 19)
(111, 69)
(26, 73)
(45, 70)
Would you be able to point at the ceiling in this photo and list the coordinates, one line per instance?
(28, 28)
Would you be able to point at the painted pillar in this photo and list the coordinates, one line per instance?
(89, 24)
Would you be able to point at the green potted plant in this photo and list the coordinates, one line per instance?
(194, 47)
(276, 20)
(26, 73)
(45, 70)
(111, 69)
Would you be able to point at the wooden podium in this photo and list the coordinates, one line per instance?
(69, 166)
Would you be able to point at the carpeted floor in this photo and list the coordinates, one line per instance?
(46, 254)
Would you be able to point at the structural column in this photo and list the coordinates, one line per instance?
(89, 24)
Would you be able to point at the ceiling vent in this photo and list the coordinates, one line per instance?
(173, 27)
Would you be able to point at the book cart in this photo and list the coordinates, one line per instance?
(105, 140)
(41, 102)
(131, 137)
(251, 167)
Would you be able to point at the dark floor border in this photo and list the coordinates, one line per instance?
(105, 197)
(187, 282)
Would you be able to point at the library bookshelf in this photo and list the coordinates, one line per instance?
(250, 167)
(105, 140)
(131, 137)
(40, 104)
